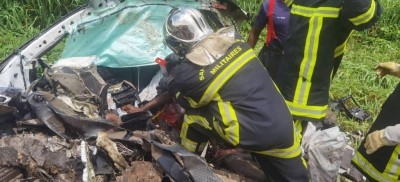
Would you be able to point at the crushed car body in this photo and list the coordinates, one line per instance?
(53, 124)
(52, 116)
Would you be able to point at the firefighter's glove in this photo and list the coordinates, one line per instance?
(375, 140)
(385, 68)
(164, 83)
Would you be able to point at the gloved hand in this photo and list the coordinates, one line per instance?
(385, 68)
(375, 140)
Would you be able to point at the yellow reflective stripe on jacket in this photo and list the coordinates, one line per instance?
(326, 12)
(288, 2)
(365, 17)
(291, 152)
(393, 166)
(230, 120)
(187, 120)
(221, 79)
(185, 142)
(361, 162)
(341, 48)
(298, 130)
(308, 62)
(316, 112)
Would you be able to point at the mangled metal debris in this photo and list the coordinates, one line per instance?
(111, 148)
(62, 135)
(54, 127)
(57, 130)
(40, 156)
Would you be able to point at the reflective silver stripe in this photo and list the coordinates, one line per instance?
(290, 152)
(339, 50)
(365, 17)
(326, 12)
(286, 154)
(394, 171)
(309, 111)
(187, 120)
(199, 120)
(230, 120)
(369, 169)
(311, 57)
(393, 166)
(185, 142)
(188, 144)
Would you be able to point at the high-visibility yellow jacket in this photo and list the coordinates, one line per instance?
(318, 33)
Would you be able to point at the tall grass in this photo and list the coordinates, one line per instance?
(251, 7)
(37, 13)
(21, 20)
(388, 26)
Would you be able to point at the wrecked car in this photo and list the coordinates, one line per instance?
(52, 112)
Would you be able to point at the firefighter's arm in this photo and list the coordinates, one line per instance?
(260, 21)
(386, 137)
(393, 134)
(361, 14)
(159, 100)
(253, 36)
(385, 68)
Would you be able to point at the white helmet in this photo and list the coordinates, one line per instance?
(183, 28)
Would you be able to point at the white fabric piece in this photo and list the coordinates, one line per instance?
(150, 91)
(324, 149)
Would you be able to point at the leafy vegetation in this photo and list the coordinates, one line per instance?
(365, 50)
(21, 20)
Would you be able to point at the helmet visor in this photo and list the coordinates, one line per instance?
(187, 25)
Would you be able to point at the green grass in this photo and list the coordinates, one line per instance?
(355, 76)
(21, 20)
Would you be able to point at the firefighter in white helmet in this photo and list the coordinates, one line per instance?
(228, 96)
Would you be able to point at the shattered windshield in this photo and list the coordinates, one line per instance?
(129, 35)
